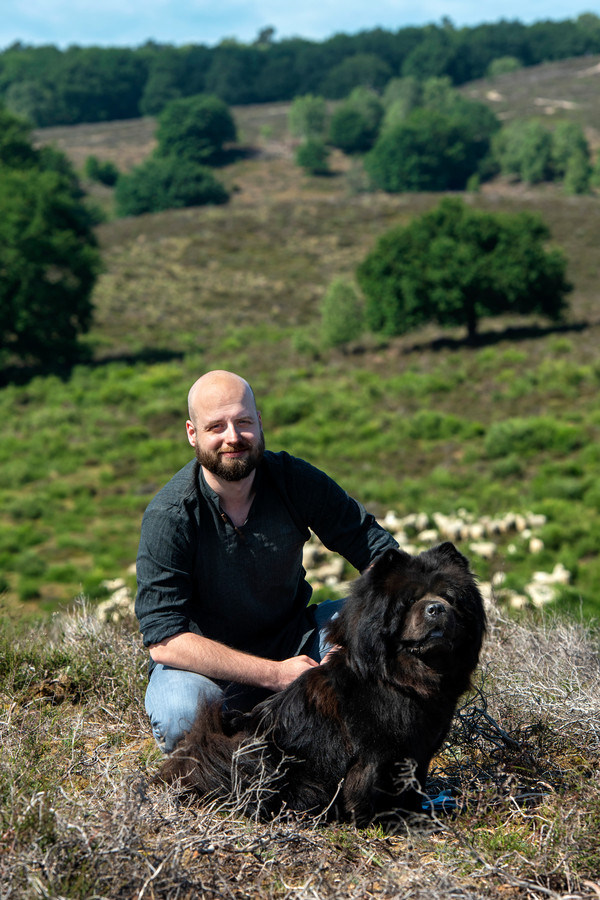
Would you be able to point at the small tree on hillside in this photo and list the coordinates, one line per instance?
(195, 129)
(524, 149)
(355, 123)
(454, 265)
(342, 317)
(313, 156)
(307, 117)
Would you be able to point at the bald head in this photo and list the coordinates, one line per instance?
(218, 387)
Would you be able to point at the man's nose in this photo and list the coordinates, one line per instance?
(232, 434)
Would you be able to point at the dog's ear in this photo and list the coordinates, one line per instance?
(371, 615)
(447, 552)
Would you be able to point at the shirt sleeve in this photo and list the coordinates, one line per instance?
(164, 573)
(338, 520)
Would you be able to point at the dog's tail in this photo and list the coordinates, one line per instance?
(236, 768)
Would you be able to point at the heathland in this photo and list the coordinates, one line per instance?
(423, 423)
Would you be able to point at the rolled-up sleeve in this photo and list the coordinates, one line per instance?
(164, 573)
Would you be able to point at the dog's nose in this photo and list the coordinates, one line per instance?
(434, 610)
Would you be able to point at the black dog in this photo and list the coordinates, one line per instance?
(337, 740)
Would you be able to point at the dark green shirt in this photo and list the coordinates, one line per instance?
(246, 586)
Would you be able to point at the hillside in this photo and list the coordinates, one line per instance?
(491, 433)
(424, 423)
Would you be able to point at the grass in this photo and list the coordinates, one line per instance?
(80, 817)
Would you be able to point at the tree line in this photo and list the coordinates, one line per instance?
(50, 86)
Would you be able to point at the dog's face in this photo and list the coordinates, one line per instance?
(424, 607)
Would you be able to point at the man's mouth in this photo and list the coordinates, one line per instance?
(234, 452)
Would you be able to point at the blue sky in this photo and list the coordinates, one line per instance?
(129, 23)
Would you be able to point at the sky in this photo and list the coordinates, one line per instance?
(130, 23)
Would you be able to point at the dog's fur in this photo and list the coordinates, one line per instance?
(338, 738)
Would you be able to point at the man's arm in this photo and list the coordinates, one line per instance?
(207, 657)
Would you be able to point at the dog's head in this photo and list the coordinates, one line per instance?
(427, 606)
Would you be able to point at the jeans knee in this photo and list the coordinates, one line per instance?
(172, 700)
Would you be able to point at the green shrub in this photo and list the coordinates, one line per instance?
(170, 183)
(104, 172)
(194, 129)
(342, 318)
(431, 425)
(502, 66)
(307, 117)
(529, 436)
(349, 131)
(313, 155)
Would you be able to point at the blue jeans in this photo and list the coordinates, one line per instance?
(173, 695)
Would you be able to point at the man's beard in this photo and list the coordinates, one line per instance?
(232, 469)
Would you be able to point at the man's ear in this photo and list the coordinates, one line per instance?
(191, 432)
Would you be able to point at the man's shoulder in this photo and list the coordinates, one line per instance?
(284, 462)
(179, 490)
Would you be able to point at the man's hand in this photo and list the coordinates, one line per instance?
(288, 670)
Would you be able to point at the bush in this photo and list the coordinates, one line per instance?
(526, 437)
(169, 183)
(524, 149)
(307, 117)
(313, 155)
(502, 66)
(349, 131)
(195, 129)
(342, 317)
(104, 172)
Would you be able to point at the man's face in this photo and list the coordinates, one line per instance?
(226, 433)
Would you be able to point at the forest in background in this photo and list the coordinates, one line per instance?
(50, 86)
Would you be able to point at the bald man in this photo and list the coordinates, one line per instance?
(223, 602)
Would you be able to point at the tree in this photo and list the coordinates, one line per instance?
(502, 66)
(578, 173)
(313, 155)
(524, 149)
(342, 318)
(158, 184)
(360, 70)
(454, 265)
(307, 117)
(104, 172)
(349, 131)
(49, 258)
(432, 150)
(355, 123)
(195, 129)
(568, 140)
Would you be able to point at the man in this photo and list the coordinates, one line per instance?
(222, 596)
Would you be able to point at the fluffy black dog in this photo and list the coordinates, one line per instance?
(337, 740)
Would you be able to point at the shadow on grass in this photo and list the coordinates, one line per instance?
(490, 338)
(23, 374)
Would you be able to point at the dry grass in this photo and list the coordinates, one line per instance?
(81, 819)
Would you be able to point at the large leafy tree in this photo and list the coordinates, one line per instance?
(49, 259)
(454, 265)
